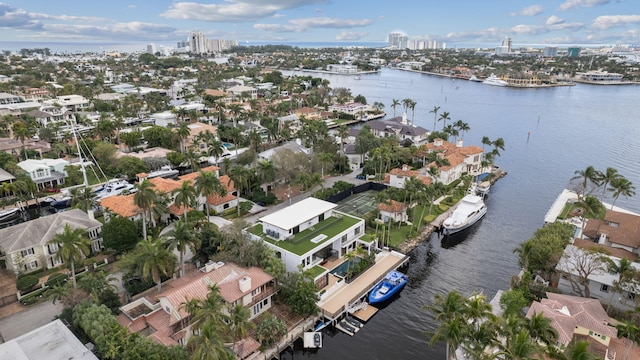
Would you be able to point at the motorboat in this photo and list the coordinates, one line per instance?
(469, 211)
(495, 81)
(12, 214)
(165, 172)
(474, 78)
(356, 77)
(392, 283)
(483, 188)
(113, 187)
(59, 201)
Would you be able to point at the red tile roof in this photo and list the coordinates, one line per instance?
(121, 205)
(617, 252)
(620, 228)
(392, 207)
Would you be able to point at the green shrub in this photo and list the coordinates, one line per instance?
(443, 207)
(26, 282)
(57, 279)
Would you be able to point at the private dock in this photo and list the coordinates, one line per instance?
(343, 300)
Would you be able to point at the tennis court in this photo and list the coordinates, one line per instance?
(359, 204)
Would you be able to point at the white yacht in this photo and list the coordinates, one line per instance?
(164, 171)
(469, 211)
(495, 81)
(483, 188)
(113, 187)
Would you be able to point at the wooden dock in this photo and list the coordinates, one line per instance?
(338, 303)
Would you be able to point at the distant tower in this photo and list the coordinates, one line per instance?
(197, 43)
(398, 40)
(506, 42)
(151, 49)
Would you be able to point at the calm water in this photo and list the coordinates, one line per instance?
(571, 128)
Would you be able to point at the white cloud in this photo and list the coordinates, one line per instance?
(131, 6)
(532, 10)
(129, 30)
(11, 17)
(300, 25)
(351, 35)
(609, 21)
(542, 29)
(66, 17)
(234, 10)
(554, 20)
(570, 4)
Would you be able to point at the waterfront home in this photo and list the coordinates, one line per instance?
(25, 246)
(617, 230)
(45, 172)
(291, 145)
(6, 98)
(397, 177)
(196, 132)
(462, 159)
(398, 127)
(577, 318)
(14, 147)
(5, 177)
(52, 115)
(240, 91)
(309, 233)
(74, 103)
(163, 317)
(357, 110)
(600, 282)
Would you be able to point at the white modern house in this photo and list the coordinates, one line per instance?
(72, 102)
(310, 232)
(45, 172)
(242, 90)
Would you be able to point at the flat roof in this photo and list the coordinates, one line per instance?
(296, 214)
(50, 341)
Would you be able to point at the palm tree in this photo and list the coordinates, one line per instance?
(215, 148)
(239, 176)
(183, 133)
(444, 117)
(485, 141)
(462, 127)
(587, 176)
(589, 205)
(154, 260)
(208, 184)
(324, 159)
(621, 186)
(239, 322)
(343, 133)
(435, 114)
(73, 245)
(208, 344)
(267, 171)
(145, 198)
(448, 310)
(624, 269)
(236, 110)
(22, 132)
(610, 175)
(208, 310)
(412, 106)
(579, 350)
(541, 330)
(394, 104)
(83, 198)
(185, 196)
(180, 238)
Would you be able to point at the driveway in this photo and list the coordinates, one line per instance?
(30, 319)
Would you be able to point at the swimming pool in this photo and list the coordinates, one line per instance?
(227, 145)
(342, 269)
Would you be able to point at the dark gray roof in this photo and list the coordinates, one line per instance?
(40, 231)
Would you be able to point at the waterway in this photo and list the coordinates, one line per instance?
(549, 134)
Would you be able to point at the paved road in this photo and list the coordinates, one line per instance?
(29, 319)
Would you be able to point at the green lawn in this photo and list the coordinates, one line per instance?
(398, 236)
(316, 271)
(301, 243)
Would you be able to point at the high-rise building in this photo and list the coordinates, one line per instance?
(398, 40)
(506, 43)
(182, 44)
(551, 51)
(197, 43)
(151, 49)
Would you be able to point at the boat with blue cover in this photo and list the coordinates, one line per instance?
(392, 283)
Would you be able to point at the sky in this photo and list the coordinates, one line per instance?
(456, 22)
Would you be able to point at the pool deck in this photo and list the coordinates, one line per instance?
(336, 304)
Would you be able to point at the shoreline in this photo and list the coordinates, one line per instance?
(410, 244)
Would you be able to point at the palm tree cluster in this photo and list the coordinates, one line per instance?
(468, 326)
(590, 179)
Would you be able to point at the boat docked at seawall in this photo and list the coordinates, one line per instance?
(59, 201)
(469, 211)
(112, 188)
(164, 172)
(495, 81)
(474, 79)
(483, 188)
(12, 214)
(392, 283)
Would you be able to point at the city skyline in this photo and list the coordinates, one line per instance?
(546, 22)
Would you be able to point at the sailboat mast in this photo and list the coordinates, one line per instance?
(75, 138)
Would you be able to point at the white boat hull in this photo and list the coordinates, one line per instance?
(469, 211)
(448, 230)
